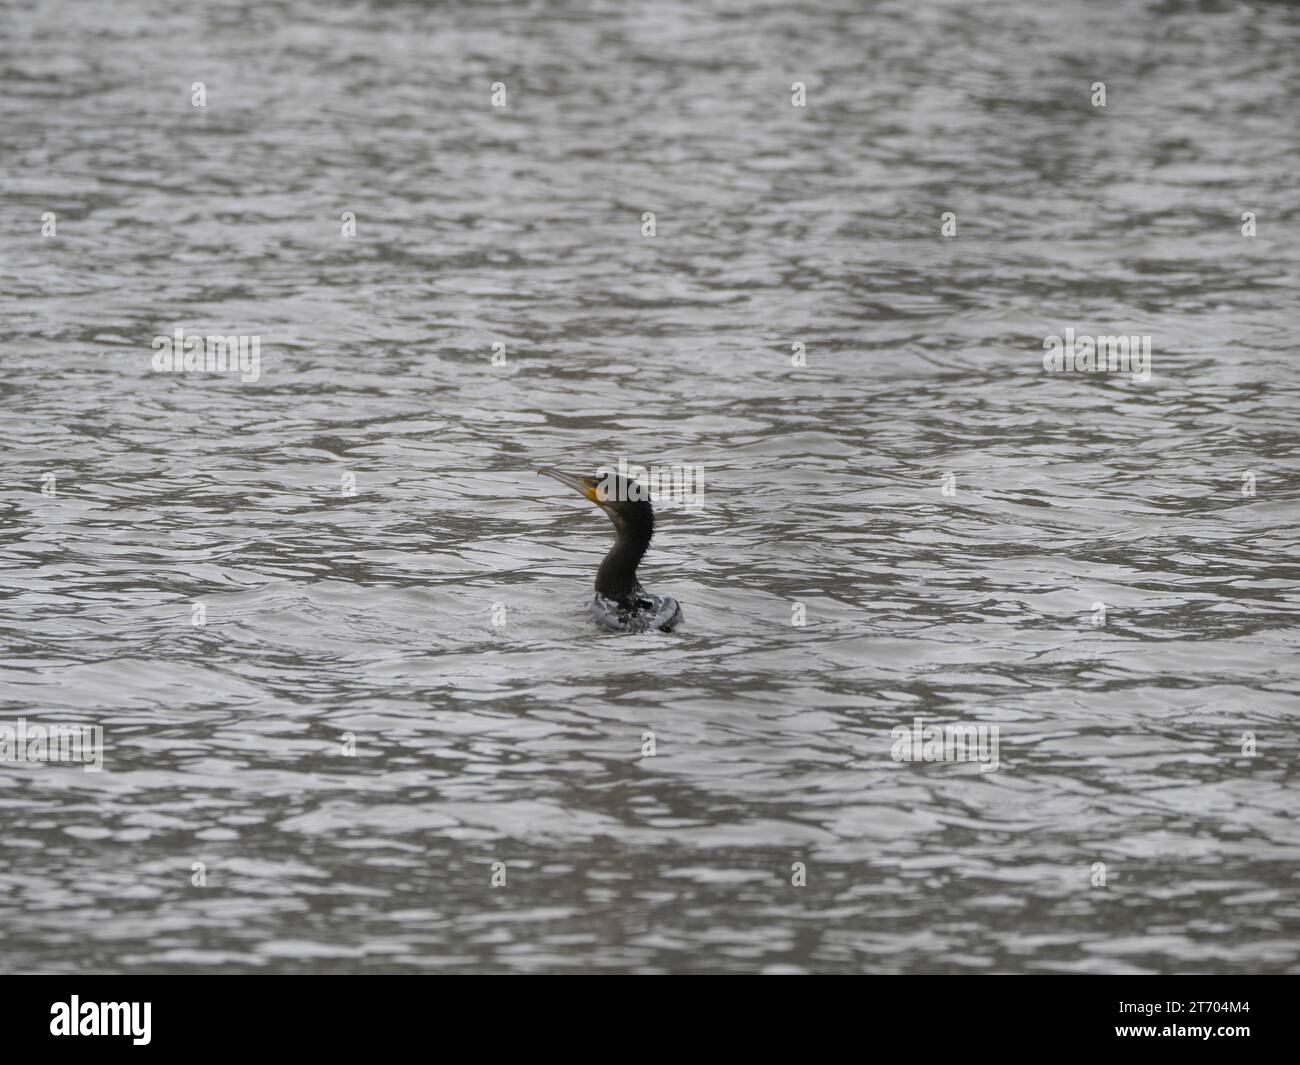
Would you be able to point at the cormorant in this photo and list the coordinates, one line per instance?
(621, 604)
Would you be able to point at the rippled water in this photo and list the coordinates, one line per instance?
(375, 614)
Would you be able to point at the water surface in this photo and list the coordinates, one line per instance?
(375, 557)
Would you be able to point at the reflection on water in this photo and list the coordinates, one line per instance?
(363, 533)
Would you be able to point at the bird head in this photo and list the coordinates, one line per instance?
(625, 501)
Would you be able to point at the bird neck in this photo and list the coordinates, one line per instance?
(616, 578)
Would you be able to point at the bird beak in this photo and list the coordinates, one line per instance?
(584, 485)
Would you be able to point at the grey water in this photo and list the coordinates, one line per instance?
(330, 622)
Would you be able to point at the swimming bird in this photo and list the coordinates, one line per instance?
(621, 604)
